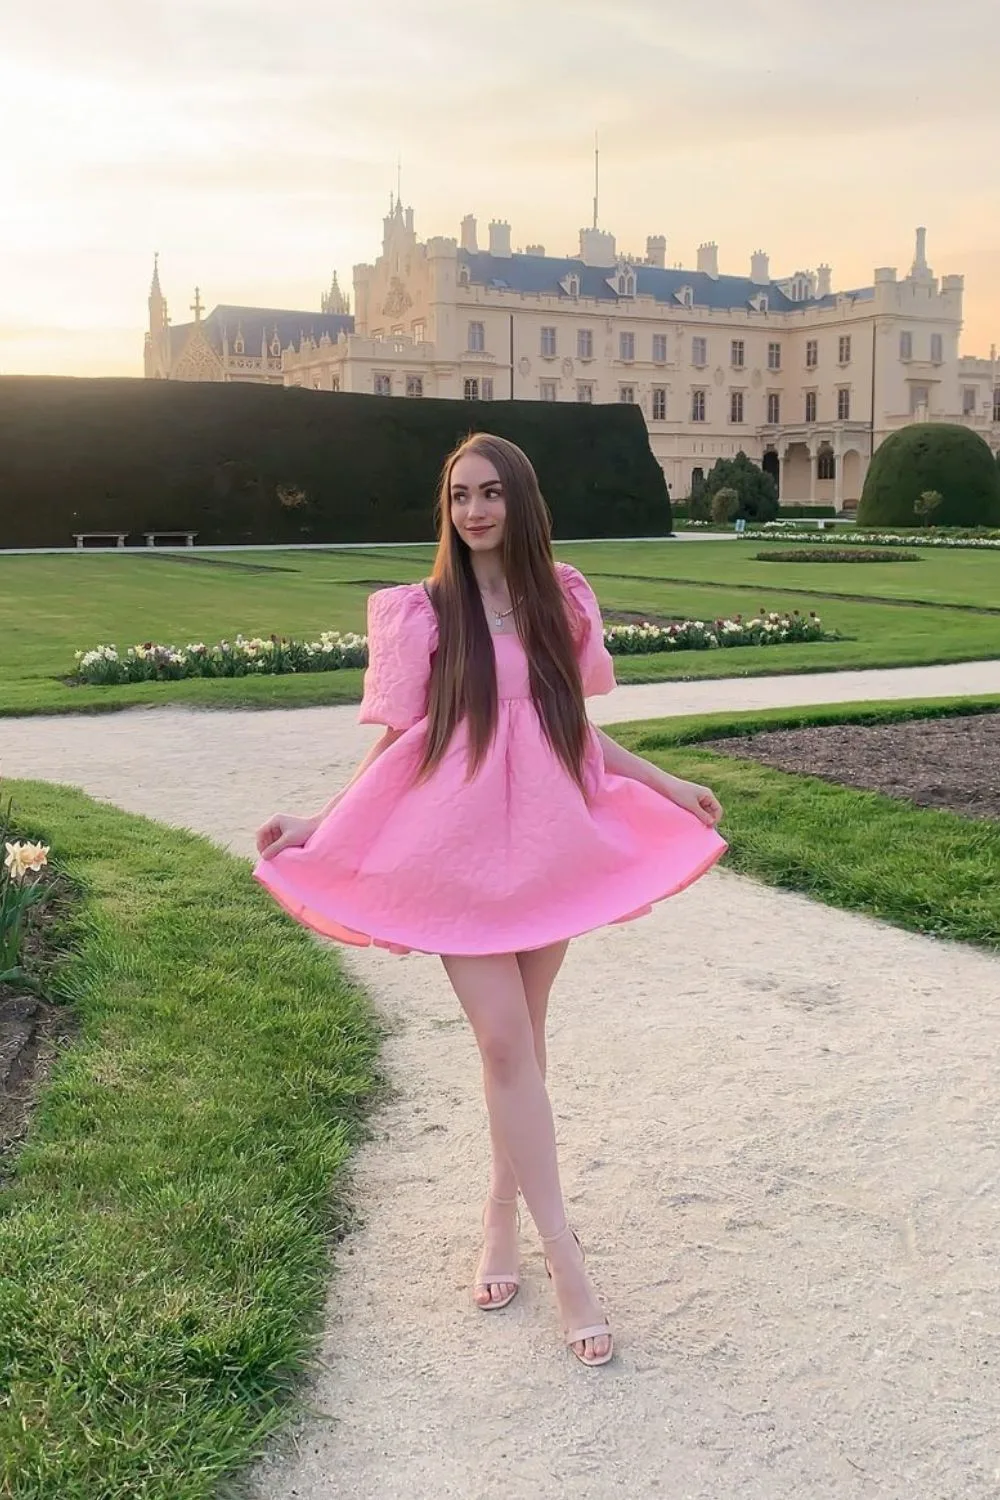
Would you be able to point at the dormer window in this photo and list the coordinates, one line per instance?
(239, 347)
(759, 303)
(463, 276)
(572, 285)
(625, 284)
(685, 296)
(276, 346)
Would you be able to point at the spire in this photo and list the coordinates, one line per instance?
(197, 307)
(158, 319)
(154, 285)
(334, 301)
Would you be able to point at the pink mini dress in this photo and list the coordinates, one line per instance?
(512, 859)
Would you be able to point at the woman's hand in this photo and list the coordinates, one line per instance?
(694, 799)
(284, 831)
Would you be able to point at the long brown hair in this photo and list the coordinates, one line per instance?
(463, 681)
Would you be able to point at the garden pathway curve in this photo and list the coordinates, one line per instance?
(779, 1129)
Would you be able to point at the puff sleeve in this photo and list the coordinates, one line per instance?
(402, 637)
(596, 666)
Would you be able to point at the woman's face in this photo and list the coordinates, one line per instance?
(478, 506)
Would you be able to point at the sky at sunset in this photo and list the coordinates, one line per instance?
(253, 143)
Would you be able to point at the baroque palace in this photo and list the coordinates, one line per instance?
(804, 379)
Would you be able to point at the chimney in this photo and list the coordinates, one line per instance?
(500, 238)
(534, 250)
(708, 259)
(824, 281)
(760, 272)
(656, 250)
(469, 240)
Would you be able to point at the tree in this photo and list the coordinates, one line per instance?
(941, 456)
(725, 503)
(756, 492)
(928, 501)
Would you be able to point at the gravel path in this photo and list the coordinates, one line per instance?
(779, 1130)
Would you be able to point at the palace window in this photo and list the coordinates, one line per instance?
(585, 392)
(774, 356)
(996, 403)
(584, 344)
(826, 465)
(488, 388)
(969, 401)
(697, 406)
(414, 385)
(419, 331)
(937, 348)
(843, 404)
(812, 353)
(548, 343)
(547, 390)
(471, 389)
(383, 385)
(919, 396)
(335, 383)
(737, 351)
(477, 338)
(659, 348)
(773, 409)
(699, 352)
(626, 347)
(659, 403)
(844, 352)
(736, 406)
(810, 406)
(906, 345)
(626, 395)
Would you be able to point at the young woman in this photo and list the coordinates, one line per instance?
(492, 822)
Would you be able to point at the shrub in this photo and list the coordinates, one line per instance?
(833, 554)
(253, 463)
(928, 501)
(756, 494)
(725, 504)
(940, 456)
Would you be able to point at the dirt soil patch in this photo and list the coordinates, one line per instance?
(951, 763)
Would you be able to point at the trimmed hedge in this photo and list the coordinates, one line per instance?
(939, 456)
(250, 463)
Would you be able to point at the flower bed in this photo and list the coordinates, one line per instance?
(763, 629)
(931, 537)
(250, 657)
(835, 554)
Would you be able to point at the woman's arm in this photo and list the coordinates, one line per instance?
(687, 794)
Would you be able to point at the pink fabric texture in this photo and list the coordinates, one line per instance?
(513, 859)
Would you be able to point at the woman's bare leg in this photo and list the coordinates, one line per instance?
(491, 992)
(539, 968)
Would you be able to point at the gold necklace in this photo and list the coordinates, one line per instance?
(499, 615)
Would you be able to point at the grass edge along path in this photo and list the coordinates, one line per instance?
(924, 869)
(165, 1231)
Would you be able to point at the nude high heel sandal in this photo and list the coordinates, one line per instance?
(495, 1278)
(578, 1335)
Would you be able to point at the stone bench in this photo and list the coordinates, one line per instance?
(80, 537)
(188, 536)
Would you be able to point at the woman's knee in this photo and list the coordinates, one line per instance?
(506, 1050)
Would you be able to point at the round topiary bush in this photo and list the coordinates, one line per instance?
(940, 456)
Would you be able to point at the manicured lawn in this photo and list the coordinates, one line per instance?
(921, 868)
(52, 606)
(164, 1235)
